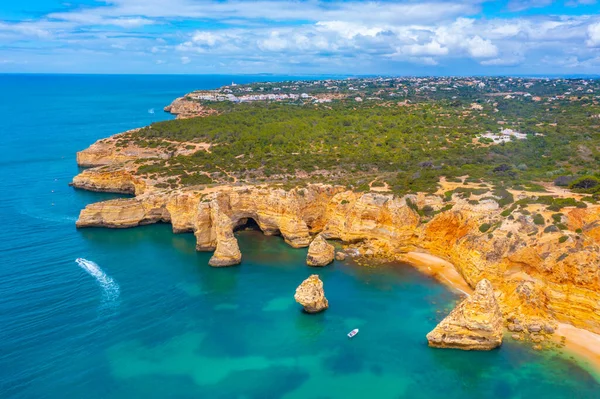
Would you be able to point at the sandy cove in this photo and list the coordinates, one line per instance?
(541, 277)
(584, 345)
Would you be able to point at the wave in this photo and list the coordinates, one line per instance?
(110, 288)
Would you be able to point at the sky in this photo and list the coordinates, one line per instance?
(304, 37)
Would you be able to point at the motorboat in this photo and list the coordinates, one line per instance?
(353, 333)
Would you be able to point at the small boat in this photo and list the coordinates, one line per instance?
(353, 333)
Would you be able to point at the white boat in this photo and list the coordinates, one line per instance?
(353, 333)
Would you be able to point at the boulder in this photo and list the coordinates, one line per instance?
(548, 329)
(311, 296)
(474, 324)
(340, 256)
(320, 253)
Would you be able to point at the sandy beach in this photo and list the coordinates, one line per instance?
(582, 344)
(438, 268)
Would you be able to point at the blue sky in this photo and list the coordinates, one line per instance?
(430, 37)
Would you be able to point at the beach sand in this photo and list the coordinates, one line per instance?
(584, 345)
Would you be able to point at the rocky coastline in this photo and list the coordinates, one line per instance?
(538, 277)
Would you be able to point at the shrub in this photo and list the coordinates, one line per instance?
(484, 227)
(508, 211)
(539, 219)
(557, 217)
(585, 184)
(563, 239)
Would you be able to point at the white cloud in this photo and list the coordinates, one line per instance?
(431, 48)
(505, 61)
(205, 38)
(273, 42)
(593, 32)
(481, 48)
(343, 35)
(349, 30)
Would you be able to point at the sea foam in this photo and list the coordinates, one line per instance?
(109, 286)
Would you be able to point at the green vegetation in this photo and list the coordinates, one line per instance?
(553, 203)
(585, 184)
(539, 219)
(484, 227)
(408, 147)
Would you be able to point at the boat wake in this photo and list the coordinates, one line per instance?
(109, 286)
(151, 111)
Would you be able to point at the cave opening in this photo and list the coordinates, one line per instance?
(247, 224)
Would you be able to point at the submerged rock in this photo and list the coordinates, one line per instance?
(320, 252)
(340, 256)
(474, 324)
(311, 296)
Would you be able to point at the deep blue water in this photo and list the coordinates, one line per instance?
(154, 320)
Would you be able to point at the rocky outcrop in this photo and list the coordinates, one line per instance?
(117, 150)
(311, 296)
(227, 252)
(475, 324)
(121, 182)
(186, 108)
(382, 219)
(340, 256)
(535, 275)
(123, 213)
(320, 252)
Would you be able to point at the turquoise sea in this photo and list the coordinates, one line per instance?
(150, 319)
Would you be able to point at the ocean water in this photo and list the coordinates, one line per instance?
(142, 315)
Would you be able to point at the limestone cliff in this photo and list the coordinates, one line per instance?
(311, 296)
(186, 108)
(227, 252)
(320, 252)
(537, 272)
(122, 182)
(474, 324)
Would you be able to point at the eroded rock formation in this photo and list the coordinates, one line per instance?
(227, 252)
(320, 252)
(535, 275)
(474, 324)
(185, 108)
(311, 296)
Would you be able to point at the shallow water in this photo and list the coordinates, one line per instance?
(149, 318)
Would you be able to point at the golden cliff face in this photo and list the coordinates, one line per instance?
(311, 296)
(474, 324)
(536, 274)
(108, 152)
(122, 182)
(184, 108)
(227, 252)
(320, 252)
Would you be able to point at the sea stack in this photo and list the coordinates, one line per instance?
(311, 296)
(474, 324)
(227, 252)
(320, 253)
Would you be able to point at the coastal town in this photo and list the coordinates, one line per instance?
(493, 89)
